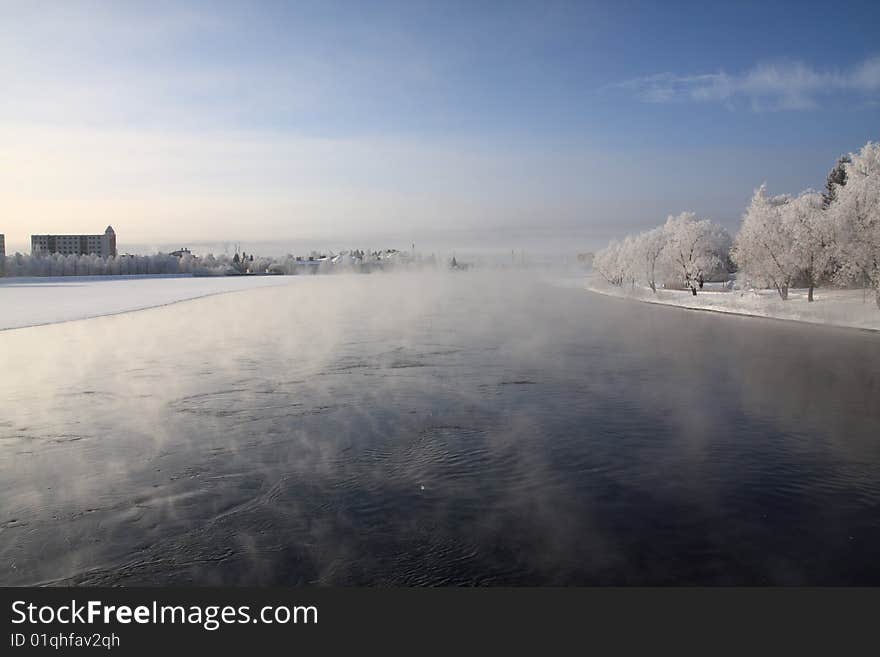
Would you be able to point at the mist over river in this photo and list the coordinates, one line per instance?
(467, 428)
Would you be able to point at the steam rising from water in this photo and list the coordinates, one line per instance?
(471, 428)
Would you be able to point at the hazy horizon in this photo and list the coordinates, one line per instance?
(538, 126)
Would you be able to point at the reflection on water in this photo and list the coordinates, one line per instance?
(437, 429)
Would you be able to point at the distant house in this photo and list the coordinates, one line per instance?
(181, 252)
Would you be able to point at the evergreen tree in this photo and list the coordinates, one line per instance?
(836, 178)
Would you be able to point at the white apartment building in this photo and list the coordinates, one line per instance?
(100, 245)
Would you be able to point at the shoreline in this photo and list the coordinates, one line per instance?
(764, 306)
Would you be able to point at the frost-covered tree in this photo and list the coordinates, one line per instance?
(694, 248)
(836, 179)
(813, 237)
(630, 259)
(856, 214)
(650, 248)
(764, 246)
(608, 263)
(55, 264)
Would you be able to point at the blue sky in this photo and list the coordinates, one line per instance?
(250, 121)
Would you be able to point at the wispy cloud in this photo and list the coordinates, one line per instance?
(788, 85)
(133, 65)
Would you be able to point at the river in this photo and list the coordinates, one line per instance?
(470, 428)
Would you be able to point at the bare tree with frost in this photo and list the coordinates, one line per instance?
(856, 215)
(630, 259)
(813, 237)
(608, 263)
(694, 248)
(764, 246)
(651, 246)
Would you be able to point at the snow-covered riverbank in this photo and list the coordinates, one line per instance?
(31, 301)
(834, 307)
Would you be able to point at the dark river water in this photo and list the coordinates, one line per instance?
(443, 429)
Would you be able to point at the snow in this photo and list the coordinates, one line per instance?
(835, 307)
(810, 238)
(26, 301)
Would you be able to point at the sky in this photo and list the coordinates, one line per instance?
(498, 122)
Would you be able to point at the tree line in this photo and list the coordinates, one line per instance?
(56, 264)
(808, 240)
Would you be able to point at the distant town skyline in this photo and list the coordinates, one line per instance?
(102, 245)
(319, 121)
